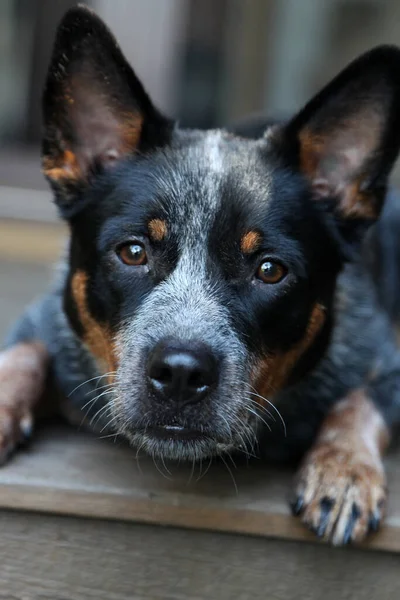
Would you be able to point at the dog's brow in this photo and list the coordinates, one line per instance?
(157, 229)
(250, 242)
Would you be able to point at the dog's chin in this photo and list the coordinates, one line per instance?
(177, 443)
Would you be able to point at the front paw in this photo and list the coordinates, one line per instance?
(15, 431)
(340, 495)
(23, 370)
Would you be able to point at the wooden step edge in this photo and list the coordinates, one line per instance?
(155, 511)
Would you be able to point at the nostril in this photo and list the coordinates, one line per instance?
(196, 380)
(162, 374)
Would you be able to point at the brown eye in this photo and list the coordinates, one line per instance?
(271, 272)
(133, 255)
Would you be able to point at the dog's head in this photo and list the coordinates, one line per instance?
(203, 265)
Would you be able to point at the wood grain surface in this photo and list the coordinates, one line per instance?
(59, 558)
(71, 473)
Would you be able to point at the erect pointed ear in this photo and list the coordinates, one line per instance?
(347, 138)
(95, 109)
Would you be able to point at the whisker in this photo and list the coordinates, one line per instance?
(247, 453)
(110, 435)
(232, 461)
(137, 457)
(91, 403)
(92, 379)
(88, 404)
(159, 470)
(253, 412)
(189, 481)
(165, 466)
(229, 426)
(98, 389)
(200, 470)
(233, 427)
(98, 414)
(230, 473)
(272, 406)
(262, 408)
(92, 400)
(206, 471)
(109, 423)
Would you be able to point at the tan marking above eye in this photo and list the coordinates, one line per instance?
(157, 229)
(250, 242)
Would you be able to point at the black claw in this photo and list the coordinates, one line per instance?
(326, 505)
(297, 505)
(381, 505)
(374, 522)
(355, 515)
(26, 433)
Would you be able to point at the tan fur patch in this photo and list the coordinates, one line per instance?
(355, 423)
(311, 148)
(112, 140)
(130, 131)
(250, 242)
(98, 337)
(23, 373)
(274, 371)
(341, 482)
(157, 230)
(64, 166)
(314, 148)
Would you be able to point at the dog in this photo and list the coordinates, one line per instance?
(223, 291)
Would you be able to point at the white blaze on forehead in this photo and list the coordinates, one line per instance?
(212, 149)
(244, 161)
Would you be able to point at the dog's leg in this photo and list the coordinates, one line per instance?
(23, 370)
(341, 487)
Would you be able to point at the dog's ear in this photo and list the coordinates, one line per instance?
(346, 139)
(95, 109)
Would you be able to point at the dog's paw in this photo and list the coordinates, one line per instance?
(339, 495)
(23, 370)
(15, 431)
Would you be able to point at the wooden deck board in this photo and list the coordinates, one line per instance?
(72, 473)
(57, 558)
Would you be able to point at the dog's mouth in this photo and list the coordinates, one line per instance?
(178, 442)
(177, 433)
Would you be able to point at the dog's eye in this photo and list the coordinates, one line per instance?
(133, 255)
(271, 272)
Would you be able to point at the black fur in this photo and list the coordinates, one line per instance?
(88, 69)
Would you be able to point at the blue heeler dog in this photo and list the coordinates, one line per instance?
(221, 283)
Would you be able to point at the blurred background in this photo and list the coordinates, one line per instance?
(207, 62)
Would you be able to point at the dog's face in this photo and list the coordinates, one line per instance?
(199, 294)
(203, 265)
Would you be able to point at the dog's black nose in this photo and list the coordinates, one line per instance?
(182, 372)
